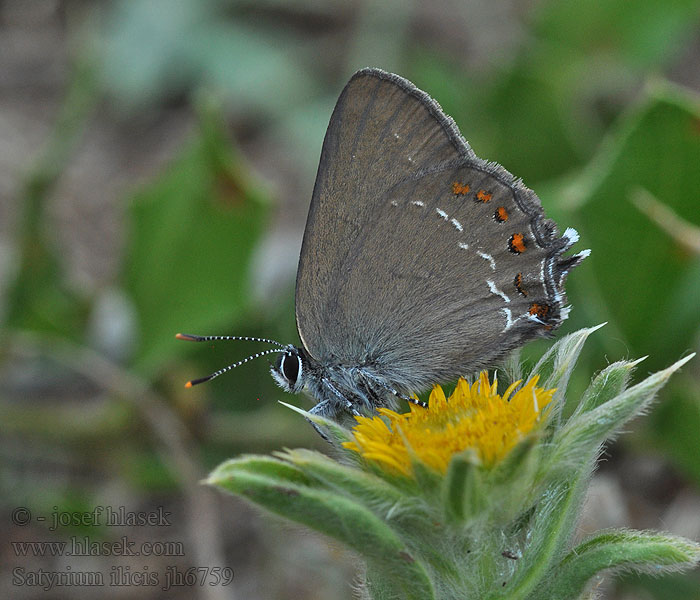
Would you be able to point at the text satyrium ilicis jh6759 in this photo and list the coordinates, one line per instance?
(420, 262)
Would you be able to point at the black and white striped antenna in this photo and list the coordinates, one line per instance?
(213, 338)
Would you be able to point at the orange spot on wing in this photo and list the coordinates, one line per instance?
(517, 243)
(483, 196)
(518, 281)
(459, 188)
(501, 214)
(539, 310)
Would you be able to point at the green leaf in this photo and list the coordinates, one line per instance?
(609, 383)
(192, 233)
(261, 465)
(513, 483)
(552, 526)
(464, 492)
(561, 359)
(338, 517)
(427, 478)
(639, 551)
(375, 493)
(582, 435)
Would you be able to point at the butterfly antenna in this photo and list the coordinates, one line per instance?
(189, 384)
(213, 338)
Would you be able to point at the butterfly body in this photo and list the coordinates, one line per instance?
(339, 390)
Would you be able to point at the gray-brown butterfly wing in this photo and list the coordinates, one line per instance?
(420, 261)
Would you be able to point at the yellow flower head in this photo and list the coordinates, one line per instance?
(475, 416)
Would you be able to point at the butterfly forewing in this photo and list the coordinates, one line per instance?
(420, 260)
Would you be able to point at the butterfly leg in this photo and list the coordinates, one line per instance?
(395, 392)
(408, 398)
(343, 401)
(323, 409)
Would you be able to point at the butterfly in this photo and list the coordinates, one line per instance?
(420, 261)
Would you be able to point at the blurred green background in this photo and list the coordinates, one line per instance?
(156, 164)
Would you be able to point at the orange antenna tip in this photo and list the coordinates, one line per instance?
(188, 384)
(187, 337)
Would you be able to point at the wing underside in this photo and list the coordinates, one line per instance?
(420, 261)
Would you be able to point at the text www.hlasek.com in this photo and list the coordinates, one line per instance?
(84, 546)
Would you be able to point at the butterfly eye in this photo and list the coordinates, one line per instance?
(290, 367)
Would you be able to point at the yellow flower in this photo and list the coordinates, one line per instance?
(475, 416)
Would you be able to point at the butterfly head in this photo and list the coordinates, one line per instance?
(289, 370)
